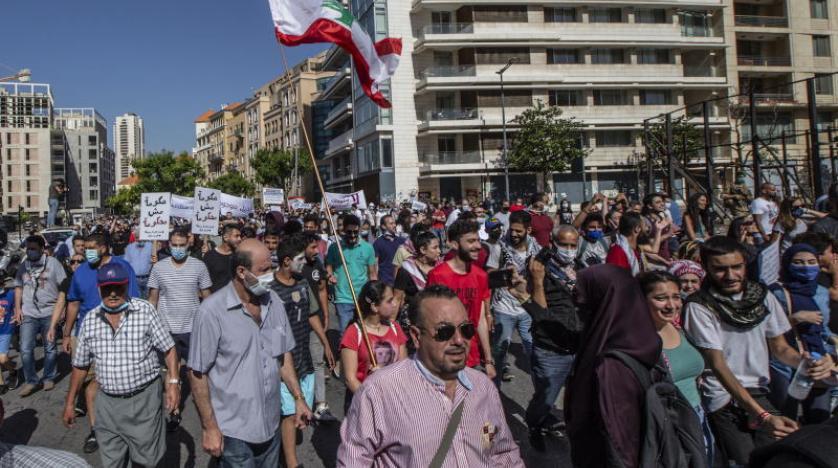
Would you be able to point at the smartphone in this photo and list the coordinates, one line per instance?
(500, 279)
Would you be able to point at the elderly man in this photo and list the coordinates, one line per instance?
(120, 336)
(445, 414)
(240, 346)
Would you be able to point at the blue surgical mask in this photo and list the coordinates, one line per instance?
(92, 256)
(179, 253)
(33, 255)
(594, 234)
(804, 272)
(797, 212)
(115, 310)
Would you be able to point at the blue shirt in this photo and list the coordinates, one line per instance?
(139, 258)
(84, 289)
(385, 249)
(7, 310)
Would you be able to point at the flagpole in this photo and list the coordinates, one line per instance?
(310, 149)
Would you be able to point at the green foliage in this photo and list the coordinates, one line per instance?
(684, 135)
(545, 142)
(159, 172)
(233, 183)
(275, 168)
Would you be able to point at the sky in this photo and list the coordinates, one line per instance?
(166, 60)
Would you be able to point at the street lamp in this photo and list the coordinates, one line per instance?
(503, 121)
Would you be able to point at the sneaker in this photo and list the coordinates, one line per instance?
(13, 380)
(27, 390)
(79, 411)
(173, 422)
(48, 385)
(4, 389)
(537, 439)
(508, 377)
(323, 415)
(90, 443)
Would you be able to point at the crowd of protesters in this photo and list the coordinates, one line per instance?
(612, 300)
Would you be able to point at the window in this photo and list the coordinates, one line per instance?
(91, 140)
(499, 56)
(28, 201)
(94, 180)
(26, 153)
(92, 153)
(94, 194)
(387, 152)
(560, 15)
(820, 46)
(564, 56)
(655, 97)
(8, 185)
(613, 138)
(566, 97)
(608, 56)
(9, 170)
(610, 97)
(500, 14)
(654, 56)
(28, 185)
(605, 15)
(92, 167)
(26, 138)
(769, 126)
(823, 84)
(819, 9)
(650, 16)
(28, 170)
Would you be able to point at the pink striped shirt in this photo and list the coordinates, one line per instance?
(400, 413)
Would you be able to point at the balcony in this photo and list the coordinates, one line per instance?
(445, 28)
(336, 83)
(451, 114)
(761, 21)
(451, 157)
(447, 71)
(340, 143)
(340, 112)
(215, 158)
(763, 61)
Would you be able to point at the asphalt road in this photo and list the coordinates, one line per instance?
(36, 420)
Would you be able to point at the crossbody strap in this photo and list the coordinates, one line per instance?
(448, 437)
(790, 307)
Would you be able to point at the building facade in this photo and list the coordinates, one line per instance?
(90, 170)
(129, 143)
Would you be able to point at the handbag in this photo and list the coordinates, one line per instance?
(448, 436)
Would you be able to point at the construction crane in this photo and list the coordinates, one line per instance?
(23, 76)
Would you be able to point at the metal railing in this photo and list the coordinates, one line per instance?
(452, 157)
(766, 21)
(446, 28)
(338, 108)
(451, 114)
(435, 71)
(763, 61)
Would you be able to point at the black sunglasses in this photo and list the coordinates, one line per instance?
(76, 262)
(446, 332)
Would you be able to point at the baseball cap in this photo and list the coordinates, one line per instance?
(493, 223)
(112, 273)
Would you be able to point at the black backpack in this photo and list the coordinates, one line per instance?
(671, 434)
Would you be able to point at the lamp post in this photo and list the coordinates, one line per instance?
(503, 121)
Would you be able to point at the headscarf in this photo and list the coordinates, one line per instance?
(687, 267)
(802, 294)
(603, 396)
(623, 243)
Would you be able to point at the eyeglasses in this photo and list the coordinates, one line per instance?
(76, 262)
(446, 332)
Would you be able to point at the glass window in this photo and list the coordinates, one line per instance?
(650, 15)
(91, 140)
(654, 56)
(820, 46)
(501, 14)
(819, 9)
(655, 97)
(608, 56)
(566, 97)
(613, 138)
(610, 97)
(560, 15)
(387, 152)
(92, 153)
(695, 24)
(94, 194)
(605, 15)
(823, 84)
(565, 56)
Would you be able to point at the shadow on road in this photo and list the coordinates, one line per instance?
(19, 427)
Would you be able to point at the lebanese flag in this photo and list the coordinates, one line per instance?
(308, 21)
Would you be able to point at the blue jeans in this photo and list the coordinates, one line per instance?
(505, 324)
(709, 440)
(549, 372)
(29, 330)
(142, 284)
(53, 209)
(240, 454)
(346, 312)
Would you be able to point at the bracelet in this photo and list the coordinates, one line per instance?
(297, 397)
(173, 381)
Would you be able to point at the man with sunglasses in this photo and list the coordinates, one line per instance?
(436, 391)
(362, 264)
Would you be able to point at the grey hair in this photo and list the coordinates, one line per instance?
(563, 229)
(241, 258)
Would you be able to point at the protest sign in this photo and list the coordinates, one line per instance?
(154, 216)
(344, 201)
(296, 203)
(182, 207)
(206, 211)
(418, 206)
(273, 196)
(238, 206)
(769, 263)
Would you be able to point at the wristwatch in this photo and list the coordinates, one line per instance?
(173, 381)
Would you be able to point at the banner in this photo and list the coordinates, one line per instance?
(273, 196)
(769, 263)
(205, 213)
(418, 206)
(344, 201)
(154, 216)
(239, 207)
(182, 207)
(296, 203)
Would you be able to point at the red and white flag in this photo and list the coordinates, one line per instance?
(309, 21)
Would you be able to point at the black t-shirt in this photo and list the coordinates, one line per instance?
(119, 241)
(314, 273)
(825, 280)
(218, 266)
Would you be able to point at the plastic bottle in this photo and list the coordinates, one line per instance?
(801, 384)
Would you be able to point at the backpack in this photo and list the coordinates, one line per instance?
(671, 434)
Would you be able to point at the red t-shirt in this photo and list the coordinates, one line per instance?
(542, 228)
(386, 347)
(514, 208)
(439, 224)
(472, 289)
(617, 256)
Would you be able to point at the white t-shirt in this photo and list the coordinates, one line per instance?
(799, 228)
(746, 351)
(769, 211)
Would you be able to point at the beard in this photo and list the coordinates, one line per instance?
(464, 255)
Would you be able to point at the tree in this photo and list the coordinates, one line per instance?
(159, 172)
(233, 183)
(545, 142)
(275, 168)
(684, 135)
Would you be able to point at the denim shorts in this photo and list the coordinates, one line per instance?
(5, 342)
(307, 387)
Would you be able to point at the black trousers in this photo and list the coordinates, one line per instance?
(734, 437)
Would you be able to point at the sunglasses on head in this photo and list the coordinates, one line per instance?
(446, 332)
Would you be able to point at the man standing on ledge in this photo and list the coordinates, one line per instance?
(445, 411)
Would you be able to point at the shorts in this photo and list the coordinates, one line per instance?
(5, 342)
(182, 345)
(306, 385)
(91, 371)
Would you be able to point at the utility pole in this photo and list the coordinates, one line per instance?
(503, 121)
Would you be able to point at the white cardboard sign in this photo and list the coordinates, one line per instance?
(154, 216)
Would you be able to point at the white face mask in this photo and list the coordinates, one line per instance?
(566, 256)
(297, 263)
(261, 286)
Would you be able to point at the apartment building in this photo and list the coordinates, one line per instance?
(211, 148)
(26, 149)
(129, 143)
(91, 169)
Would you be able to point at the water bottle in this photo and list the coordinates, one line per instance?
(801, 384)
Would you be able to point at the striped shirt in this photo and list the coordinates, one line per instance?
(399, 415)
(179, 287)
